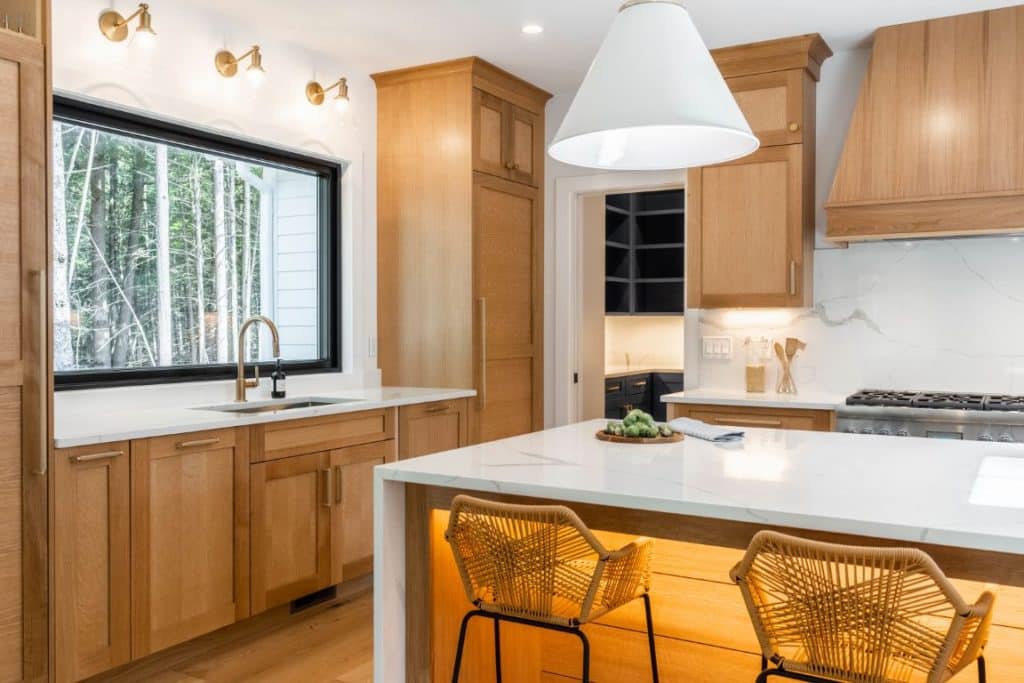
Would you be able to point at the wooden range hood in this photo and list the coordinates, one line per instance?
(936, 144)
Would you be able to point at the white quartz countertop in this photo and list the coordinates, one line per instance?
(112, 415)
(962, 494)
(806, 401)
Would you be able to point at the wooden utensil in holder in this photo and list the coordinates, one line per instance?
(786, 384)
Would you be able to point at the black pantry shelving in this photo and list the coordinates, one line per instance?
(645, 253)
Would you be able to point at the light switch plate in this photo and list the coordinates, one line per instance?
(716, 348)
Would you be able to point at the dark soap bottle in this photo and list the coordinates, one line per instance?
(277, 377)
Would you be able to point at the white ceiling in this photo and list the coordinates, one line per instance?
(377, 35)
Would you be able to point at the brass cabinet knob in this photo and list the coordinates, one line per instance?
(794, 127)
(510, 165)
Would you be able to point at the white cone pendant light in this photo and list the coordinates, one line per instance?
(653, 99)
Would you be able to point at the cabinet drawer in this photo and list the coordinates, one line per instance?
(615, 389)
(277, 440)
(638, 385)
(196, 441)
(757, 418)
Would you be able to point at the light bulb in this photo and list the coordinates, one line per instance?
(144, 38)
(255, 74)
(341, 103)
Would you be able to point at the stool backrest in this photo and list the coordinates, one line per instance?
(851, 613)
(532, 561)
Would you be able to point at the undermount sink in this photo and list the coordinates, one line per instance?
(277, 406)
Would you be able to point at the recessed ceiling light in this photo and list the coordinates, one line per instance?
(533, 29)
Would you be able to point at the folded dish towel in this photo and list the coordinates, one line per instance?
(702, 430)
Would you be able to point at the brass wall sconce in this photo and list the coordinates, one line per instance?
(227, 63)
(115, 27)
(316, 93)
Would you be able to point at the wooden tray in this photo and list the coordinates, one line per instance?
(675, 438)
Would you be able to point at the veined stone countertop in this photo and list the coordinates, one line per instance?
(962, 494)
(88, 417)
(805, 401)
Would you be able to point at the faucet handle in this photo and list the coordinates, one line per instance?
(255, 381)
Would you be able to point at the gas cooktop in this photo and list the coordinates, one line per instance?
(936, 399)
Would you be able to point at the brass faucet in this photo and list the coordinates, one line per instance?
(241, 383)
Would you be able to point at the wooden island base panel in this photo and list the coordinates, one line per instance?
(703, 629)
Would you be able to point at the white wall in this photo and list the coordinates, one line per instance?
(936, 314)
(176, 79)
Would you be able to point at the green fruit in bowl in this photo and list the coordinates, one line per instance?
(632, 431)
(665, 430)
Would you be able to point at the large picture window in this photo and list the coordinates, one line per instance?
(167, 238)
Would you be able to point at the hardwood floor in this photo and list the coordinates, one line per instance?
(334, 645)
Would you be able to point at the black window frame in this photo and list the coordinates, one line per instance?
(152, 129)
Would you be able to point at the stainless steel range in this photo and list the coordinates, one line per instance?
(936, 415)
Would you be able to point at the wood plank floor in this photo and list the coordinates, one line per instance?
(334, 645)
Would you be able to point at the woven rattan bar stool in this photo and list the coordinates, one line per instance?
(539, 565)
(825, 612)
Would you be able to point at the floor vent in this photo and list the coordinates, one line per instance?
(313, 599)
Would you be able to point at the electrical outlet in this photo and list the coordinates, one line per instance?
(372, 346)
(716, 348)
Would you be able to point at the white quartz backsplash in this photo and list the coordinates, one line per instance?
(943, 314)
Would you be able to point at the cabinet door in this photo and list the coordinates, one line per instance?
(432, 427)
(489, 134)
(524, 148)
(24, 363)
(775, 105)
(91, 560)
(291, 520)
(747, 242)
(351, 482)
(509, 329)
(190, 536)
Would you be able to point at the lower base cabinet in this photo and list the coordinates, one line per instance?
(291, 537)
(428, 428)
(158, 541)
(91, 560)
(190, 536)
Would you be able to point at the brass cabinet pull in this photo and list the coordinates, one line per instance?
(97, 456)
(338, 483)
(794, 127)
(328, 486)
(196, 443)
(437, 409)
(612, 388)
(747, 422)
(792, 278)
(482, 302)
(42, 464)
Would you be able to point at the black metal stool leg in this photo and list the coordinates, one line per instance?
(586, 655)
(981, 669)
(650, 637)
(763, 676)
(497, 650)
(764, 662)
(462, 642)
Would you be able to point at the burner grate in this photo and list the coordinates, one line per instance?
(938, 399)
(881, 397)
(1003, 402)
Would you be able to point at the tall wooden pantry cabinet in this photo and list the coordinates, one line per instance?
(24, 343)
(460, 169)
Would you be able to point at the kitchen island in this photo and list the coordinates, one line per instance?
(960, 501)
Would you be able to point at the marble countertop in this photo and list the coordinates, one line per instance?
(103, 416)
(613, 372)
(962, 494)
(806, 401)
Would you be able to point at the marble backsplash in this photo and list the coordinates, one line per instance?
(943, 314)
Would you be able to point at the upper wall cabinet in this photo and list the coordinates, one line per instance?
(505, 141)
(750, 222)
(934, 143)
(460, 235)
